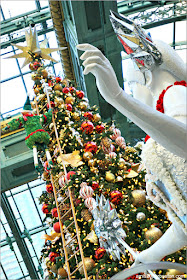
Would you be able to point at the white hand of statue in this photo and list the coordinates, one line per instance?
(171, 241)
(97, 64)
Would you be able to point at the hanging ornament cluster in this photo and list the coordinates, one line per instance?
(120, 141)
(86, 192)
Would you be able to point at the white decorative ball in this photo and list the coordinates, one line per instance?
(116, 133)
(120, 140)
(86, 192)
(123, 146)
(112, 155)
(140, 216)
(83, 184)
(89, 203)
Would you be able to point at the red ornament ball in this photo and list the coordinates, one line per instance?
(56, 227)
(49, 188)
(52, 256)
(58, 79)
(52, 104)
(36, 65)
(80, 94)
(91, 147)
(99, 253)
(69, 174)
(65, 90)
(87, 127)
(116, 197)
(45, 208)
(69, 107)
(95, 185)
(88, 115)
(72, 89)
(54, 212)
(100, 128)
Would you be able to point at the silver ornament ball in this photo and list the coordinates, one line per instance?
(140, 216)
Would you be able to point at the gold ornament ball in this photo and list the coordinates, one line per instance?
(89, 263)
(31, 67)
(70, 100)
(96, 118)
(44, 73)
(62, 272)
(138, 197)
(110, 177)
(87, 156)
(121, 163)
(57, 87)
(153, 234)
(76, 116)
(140, 216)
(54, 269)
(83, 105)
(86, 215)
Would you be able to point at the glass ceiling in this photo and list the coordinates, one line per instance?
(16, 82)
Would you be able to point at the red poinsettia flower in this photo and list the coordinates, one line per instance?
(52, 256)
(45, 208)
(80, 94)
(95, 185)
(99, 253)
(65, 90)
(91, 147)
(49, 188)
(88, 115)
(87, 127)
(58, 79)
(72, 89)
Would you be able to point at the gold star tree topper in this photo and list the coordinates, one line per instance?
(34, 48)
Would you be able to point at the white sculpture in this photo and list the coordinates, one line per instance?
(165, 156)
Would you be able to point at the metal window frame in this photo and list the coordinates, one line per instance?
(18, 236)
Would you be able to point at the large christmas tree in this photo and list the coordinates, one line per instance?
(97, 162)
(95, 184)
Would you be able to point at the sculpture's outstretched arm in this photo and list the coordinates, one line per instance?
(167, 131)
(173, 240)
